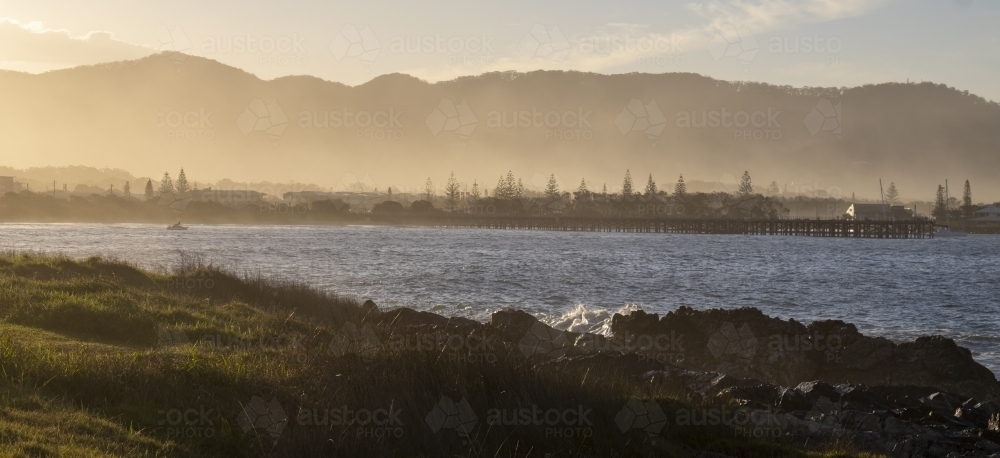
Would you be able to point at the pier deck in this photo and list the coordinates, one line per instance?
(887, 229)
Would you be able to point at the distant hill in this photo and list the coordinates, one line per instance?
(153, 115)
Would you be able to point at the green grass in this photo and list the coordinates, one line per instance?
(93, 362)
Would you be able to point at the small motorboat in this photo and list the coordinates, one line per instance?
(177, 227)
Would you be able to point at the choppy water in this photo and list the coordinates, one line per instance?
(899, 289)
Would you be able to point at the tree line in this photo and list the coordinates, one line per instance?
(510, 196)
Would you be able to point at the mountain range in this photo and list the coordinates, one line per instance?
(168, 111)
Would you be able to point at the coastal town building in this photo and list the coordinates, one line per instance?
(6, 185)
(986, 219)
(228, 197)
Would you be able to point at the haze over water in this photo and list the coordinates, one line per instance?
(899, 289)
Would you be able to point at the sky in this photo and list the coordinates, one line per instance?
(839, 43)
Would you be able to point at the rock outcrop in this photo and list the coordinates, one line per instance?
(746, 343)
(775, 379)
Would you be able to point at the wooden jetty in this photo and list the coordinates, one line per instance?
(878, 229)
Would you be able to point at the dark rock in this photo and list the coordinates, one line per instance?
(513, 321)
(817, 389)
(602, 365)
(409, 317)
(370, 309)
(978, 417)
(746, 343)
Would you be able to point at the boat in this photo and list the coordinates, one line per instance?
(178, 202)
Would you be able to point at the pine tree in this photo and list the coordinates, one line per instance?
(149, 189)
(604, 190)
(166, 185)
(451, 191)
(892, 194)
(627, 184)
(774, 189)
(428, 189)
(510, 188)
(182, 183)
(680, 189)
(940, 207)
(552, 188)
(582, 191)
(475, 190)
(498, 190)
(968, 210)
(746, 186)
(650, 186)
(519, 190)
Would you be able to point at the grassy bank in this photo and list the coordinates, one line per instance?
(98, 358)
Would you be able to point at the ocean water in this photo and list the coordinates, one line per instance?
(899, 289)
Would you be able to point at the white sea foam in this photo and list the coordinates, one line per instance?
(582, 318)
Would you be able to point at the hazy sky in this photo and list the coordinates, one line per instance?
(800, 43)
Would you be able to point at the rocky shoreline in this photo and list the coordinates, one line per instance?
(763, 377)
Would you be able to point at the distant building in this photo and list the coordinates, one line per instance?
(986, 219)
(308, 197)
(878, 212)
(230, 198)
(7, 185)
(360, 200)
